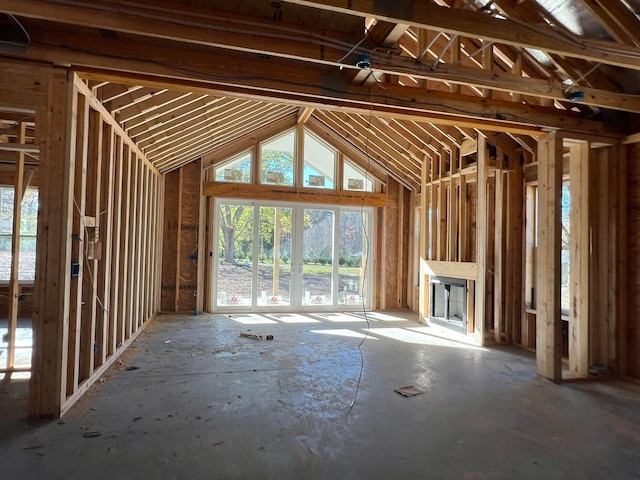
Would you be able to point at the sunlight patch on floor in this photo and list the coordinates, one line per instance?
(407, 336)
(293, 318)
(15, 376)
(445, 333)
(344, 332)
(250, 319)
(339, 317)
(383, 317)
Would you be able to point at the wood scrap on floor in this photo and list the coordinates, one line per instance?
(256, 336)
(409, 391)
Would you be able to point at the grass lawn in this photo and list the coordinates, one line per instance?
(317, 269)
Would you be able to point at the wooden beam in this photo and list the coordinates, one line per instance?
(423, 243)
(97, 105)
(617, 19)
(293, 194)
(623, 267)
(579, 251)
(304, 49)
(499, 268)
(79, 135)
(14, 284)
(480, 287)
(54, 126)
(104, 221)
(549, 335)
(89, 341)
(117, 226)
(266, 79)
(19, 147)
(124, 255)
(475, 23)
(465, 270)
(210, 27)
(304, 114)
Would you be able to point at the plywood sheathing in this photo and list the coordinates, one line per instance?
(189, 229)
(169, 299)
(181, 239)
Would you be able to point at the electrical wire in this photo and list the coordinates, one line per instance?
(366, 256)
(86, 256)
(227, 80)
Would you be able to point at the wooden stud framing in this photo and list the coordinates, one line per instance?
(481, 240)
(115, 310)
(515, 252)
(104, 326)
(549, 335)
(14, 284)
(423, 248)
(89, 343)
(53, 125)
(499, 321)
(579, 247)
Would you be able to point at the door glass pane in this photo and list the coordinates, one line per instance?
(352, 256)
(317, 261)
(319, 163)
(276, 160)
(274, 259)
(235, 255)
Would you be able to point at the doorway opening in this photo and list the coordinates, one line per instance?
(279, 256)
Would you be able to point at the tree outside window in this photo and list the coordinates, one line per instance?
(28, 231)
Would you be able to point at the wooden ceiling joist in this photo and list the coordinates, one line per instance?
(388, 63)
(484, 26)
(185, 81)
(157, 122)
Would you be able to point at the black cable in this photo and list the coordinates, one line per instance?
(366, 248)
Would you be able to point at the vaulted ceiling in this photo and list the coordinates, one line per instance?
(401, 81)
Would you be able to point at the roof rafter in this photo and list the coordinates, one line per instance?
(482, 25)
(302, 45)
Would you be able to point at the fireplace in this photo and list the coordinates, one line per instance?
(449, 301)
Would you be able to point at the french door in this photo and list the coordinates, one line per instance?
(276, 256)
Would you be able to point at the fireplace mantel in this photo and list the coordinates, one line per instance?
(465, 270)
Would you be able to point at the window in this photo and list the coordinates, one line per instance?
(277, 160)
(280, 160)
(564, 252)
(531, 245)
(237, 169)
(319, 163)
(28, 230)
(355, 179)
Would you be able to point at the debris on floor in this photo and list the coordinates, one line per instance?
(132, 367)
(409, 391)
(32, 447)
(256, 336)
(92, 434)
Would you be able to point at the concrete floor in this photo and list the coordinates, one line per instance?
(206, 403)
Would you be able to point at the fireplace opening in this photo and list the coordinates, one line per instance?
(449, 303)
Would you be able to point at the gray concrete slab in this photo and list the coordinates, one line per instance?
(206, 403)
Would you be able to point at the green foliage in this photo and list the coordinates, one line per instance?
(277, 161)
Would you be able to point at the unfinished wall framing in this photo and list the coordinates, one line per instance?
(473, 233)
(97, 280)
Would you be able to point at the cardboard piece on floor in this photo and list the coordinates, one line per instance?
(409, 391)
